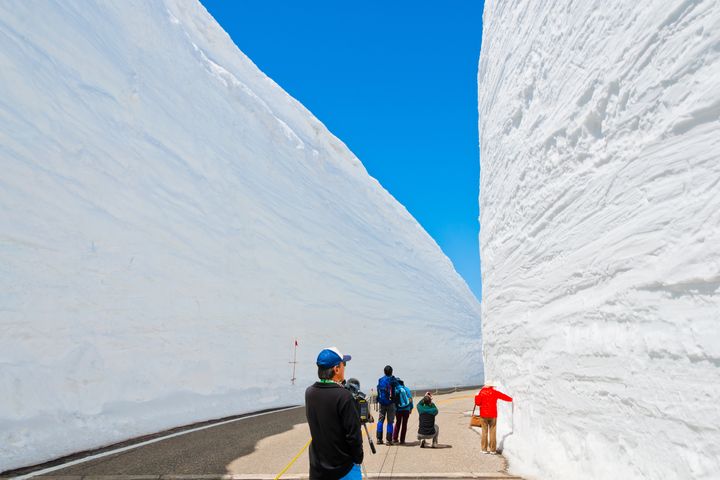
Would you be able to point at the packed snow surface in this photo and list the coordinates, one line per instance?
(600, 234)
(170, 220)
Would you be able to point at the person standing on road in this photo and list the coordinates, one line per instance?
(404, 404)
(487, 399)
(427, 428)
(336, 449)
(386, 400)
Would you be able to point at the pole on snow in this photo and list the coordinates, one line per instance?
(294, 362)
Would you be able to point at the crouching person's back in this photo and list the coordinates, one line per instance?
(427, 429)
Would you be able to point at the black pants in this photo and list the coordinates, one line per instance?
(401, 423)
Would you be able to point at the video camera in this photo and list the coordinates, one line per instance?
(361, 404)
(360, 400)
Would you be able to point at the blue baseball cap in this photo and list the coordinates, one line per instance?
(330, 357)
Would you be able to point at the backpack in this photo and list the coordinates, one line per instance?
(385, 390)
(404, 396)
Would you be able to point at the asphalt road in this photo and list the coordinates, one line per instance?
(260, 446)
(204, 452)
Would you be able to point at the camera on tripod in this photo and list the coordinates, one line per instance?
(361, 405)
(361, 402)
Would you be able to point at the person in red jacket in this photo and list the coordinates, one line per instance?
(487, 399)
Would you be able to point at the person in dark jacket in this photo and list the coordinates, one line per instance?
(427, 428)
(336, 449)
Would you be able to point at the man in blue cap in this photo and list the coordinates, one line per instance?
(336, 450)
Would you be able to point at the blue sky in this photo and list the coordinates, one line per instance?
(397, 82)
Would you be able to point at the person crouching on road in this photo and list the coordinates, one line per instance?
(487, 399)
(386, 400)
(427, 429)
(336, 449)
(404, 405)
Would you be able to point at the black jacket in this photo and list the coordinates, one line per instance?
(426, 418)
(335, 429)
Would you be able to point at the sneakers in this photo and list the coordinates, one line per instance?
(379, 441)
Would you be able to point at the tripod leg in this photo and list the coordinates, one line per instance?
(372, 445)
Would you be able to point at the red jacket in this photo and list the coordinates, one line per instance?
(487, 399)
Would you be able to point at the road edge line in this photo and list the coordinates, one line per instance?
(142, 444)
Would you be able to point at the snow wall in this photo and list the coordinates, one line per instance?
(600, 235)
(170, 220)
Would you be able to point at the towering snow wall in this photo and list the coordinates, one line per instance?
(170, 220)
(600, 234)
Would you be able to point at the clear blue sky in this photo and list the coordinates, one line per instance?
(396, 80)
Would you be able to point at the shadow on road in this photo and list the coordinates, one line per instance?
(206, 451)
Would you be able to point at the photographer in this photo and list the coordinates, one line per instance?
(336, 450)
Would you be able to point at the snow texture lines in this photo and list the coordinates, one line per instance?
(600, 233)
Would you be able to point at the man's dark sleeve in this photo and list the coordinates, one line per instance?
(351, 427)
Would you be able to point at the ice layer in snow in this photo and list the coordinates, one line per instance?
(170, 220)
(600, 235)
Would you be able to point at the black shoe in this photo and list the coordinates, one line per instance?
(422, 444)
(379, 441)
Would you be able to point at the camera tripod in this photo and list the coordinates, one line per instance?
(372, 445)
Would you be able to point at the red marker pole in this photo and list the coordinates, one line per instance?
(294, 362)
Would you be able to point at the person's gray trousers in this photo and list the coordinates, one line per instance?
(434, 437)
(387, 416)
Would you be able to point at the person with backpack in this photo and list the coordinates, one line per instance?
(404, 405)
(487, 399)
(386, 402)
(427, 428)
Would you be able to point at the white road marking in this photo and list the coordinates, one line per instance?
(141, 444)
